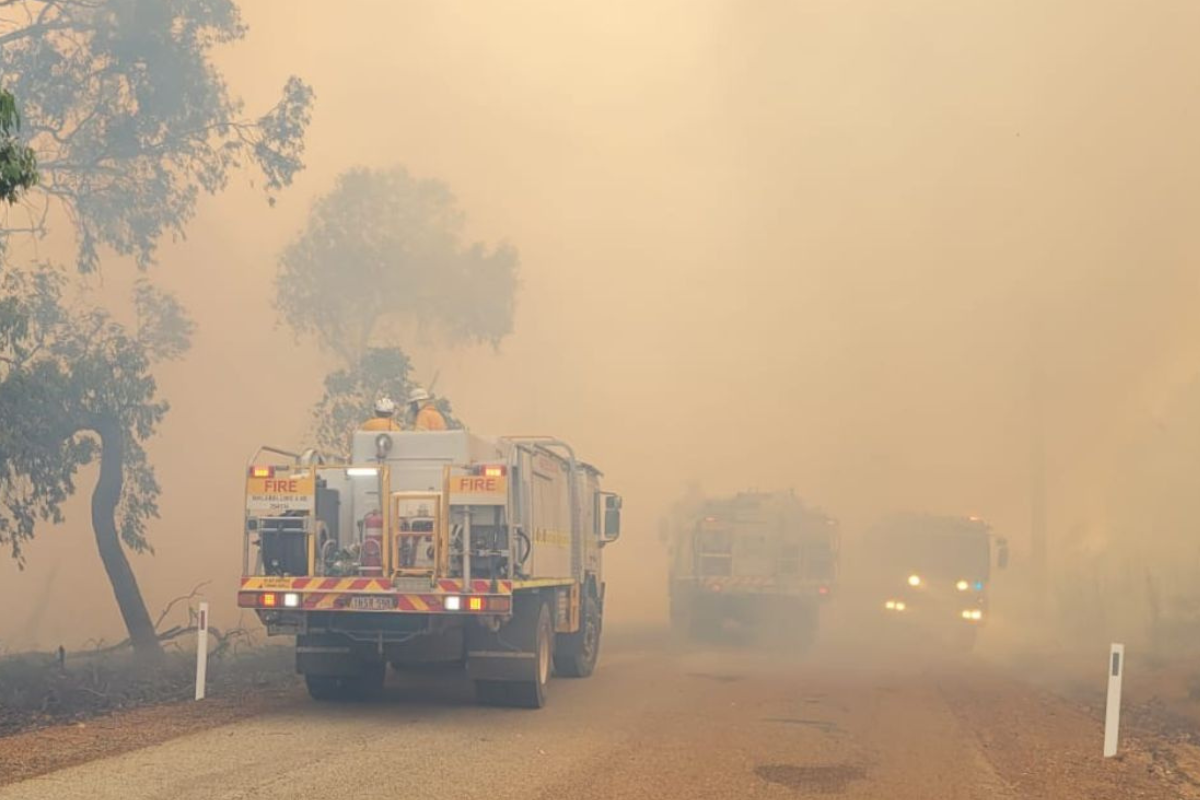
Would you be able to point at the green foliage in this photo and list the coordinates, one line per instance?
(18, 164)
(65, 372)
(350, 394)
(384, 250)
(132, 121)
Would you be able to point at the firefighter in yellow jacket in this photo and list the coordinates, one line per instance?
(384, 419)
(423, 414)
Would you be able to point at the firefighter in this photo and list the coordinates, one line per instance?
(384, 419)
(423, 414)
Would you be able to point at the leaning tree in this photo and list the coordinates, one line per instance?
(132, 123)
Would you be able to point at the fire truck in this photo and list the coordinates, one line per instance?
(431, 548)
(752, 561)
(931, 575)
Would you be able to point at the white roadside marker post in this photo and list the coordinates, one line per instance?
(1112, 713)
(202, 651)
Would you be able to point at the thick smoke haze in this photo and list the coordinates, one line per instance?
(820, 245)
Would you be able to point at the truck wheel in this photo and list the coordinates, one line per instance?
(369, 684)
(686, 625)
(517, 676)
(328, 688)
(366, 685)
(491, 693)
(807, 621)
(576, 653)
(532, 693)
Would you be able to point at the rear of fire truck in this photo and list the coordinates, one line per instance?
(756, 563)
(431, 548)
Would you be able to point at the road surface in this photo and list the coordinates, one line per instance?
(657, 722)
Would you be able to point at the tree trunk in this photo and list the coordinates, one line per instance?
(105, 499)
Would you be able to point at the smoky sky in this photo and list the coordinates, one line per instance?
(809, 245)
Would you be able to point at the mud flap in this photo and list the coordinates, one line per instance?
(490, 657)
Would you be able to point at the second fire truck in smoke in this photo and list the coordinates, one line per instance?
(755, 561)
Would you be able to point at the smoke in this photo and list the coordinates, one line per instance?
(811, 245)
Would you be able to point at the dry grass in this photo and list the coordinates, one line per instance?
(38, 690)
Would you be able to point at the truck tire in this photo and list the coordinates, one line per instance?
(686, 624)
(369, 685)
(328, 688)
(807, 622)
(532, 631)
(576, 654)
(366, 685)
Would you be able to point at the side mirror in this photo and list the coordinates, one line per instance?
(1002, 554)
(612, 518)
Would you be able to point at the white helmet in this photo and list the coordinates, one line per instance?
(418, 395)
(385, 407)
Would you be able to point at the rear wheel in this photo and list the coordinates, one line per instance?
(328, 688)
(576, 654)
(532, 693)
(367, 684)
(805, 625)
(522, 683)
(491, 693)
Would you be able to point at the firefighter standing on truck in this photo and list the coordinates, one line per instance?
(384, 419)
(423, 413)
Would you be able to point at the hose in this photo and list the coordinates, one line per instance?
(522, 558)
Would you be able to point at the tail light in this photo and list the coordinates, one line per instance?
(477, 603)
(262, 600)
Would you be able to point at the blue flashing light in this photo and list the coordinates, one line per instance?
(979, 586)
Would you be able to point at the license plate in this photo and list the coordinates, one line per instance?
(373, 603)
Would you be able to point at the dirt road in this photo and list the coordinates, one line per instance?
(658, 723)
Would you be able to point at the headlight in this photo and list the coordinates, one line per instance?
(962, 586)
(972, 614)
(890, 605)
(900, 606)
(914, 580)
